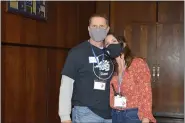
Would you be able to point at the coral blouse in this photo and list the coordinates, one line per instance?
(136, 87)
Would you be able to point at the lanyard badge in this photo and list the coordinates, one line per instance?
(119, 99)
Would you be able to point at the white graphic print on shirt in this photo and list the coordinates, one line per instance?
(104, 68)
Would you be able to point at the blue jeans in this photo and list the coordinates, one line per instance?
(125, 116)
(82, 114)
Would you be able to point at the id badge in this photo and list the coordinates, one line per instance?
(99, 85)
(120, 101)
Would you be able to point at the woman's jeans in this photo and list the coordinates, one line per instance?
(125, 116)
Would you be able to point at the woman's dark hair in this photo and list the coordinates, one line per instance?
(128, 56)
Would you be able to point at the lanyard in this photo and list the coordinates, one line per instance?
(120, 79)
(119, 84)
(96, 56)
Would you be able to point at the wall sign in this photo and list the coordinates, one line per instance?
(32, 9)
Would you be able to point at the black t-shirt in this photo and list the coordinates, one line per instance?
(82, 66)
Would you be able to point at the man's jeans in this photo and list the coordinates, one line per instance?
(125, 116)
(82, 114)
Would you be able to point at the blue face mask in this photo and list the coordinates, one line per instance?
(97, 34)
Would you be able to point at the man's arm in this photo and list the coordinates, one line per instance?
(65, 95)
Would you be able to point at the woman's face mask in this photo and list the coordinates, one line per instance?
(114, 50)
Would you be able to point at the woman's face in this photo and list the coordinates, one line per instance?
(110, 39)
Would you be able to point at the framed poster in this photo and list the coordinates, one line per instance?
(32, 9)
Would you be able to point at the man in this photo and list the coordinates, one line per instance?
(86, 78)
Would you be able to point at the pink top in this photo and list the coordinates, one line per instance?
(136, 87)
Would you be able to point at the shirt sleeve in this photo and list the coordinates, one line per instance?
(145, 91)
(70, 66)
(65, 95)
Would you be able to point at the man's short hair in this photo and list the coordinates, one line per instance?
(99, 15)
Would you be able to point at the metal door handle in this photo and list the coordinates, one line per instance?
(153, 73)
(158, 72)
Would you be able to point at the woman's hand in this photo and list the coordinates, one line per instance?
(145, 120)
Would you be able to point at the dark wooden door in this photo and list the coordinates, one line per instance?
(24, 85)
(170, 11)
(168, 89)
(141, 39)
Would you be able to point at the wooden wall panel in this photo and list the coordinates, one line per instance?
(12, 28)
(28, 31)
(103, 7)
(139, 37)
(47, 30)
(171, 11)
(90, 8)
(24, 83)
(124, 12)
(66, 25)
(36, 85)
(169, 120)
(14, 108)
(55, 65)
(2, 22)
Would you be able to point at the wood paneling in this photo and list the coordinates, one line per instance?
(85, 11)
(35, 85)
(2, 22)
(25, 71)
(47, 30)
(154, 30)
(103, 7)
(171, 11)
(124, 12)
(169, 120)
(31, 72)
(139, 37)
(142, 40)
(13, 89)
(55, 65)
(169, 86)
(66, 25)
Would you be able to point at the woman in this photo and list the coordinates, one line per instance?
(130, 92)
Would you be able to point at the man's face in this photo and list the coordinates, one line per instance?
(98, 22)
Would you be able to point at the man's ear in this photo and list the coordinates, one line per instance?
(108, 28)
(88, 28)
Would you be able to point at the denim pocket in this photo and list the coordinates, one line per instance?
(82, 111)
(132, 115)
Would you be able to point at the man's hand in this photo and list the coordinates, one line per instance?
(145, 120)
(68, 121)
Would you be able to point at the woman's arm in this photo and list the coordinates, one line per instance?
(145, 92)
